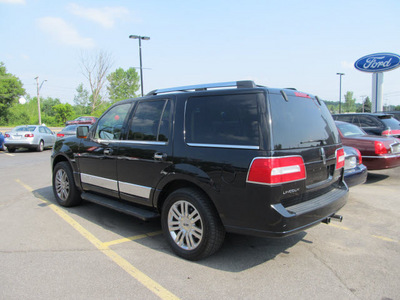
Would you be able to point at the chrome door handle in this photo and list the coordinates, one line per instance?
(160, 156)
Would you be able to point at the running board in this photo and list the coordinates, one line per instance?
(135, 211)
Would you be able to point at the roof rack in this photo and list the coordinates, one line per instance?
(204, 87)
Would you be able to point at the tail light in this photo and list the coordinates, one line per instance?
(7, 135)
(359, 156)
(380, 148)
(340, 158)
(60, 135)
(276, 170)
(28, 135)
(391, 132)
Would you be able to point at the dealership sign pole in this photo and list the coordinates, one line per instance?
(377, 64)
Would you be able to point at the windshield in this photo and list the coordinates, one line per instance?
(349, 129)
(301, 122)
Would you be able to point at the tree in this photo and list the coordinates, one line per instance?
(123, 84)
(350, 102)
(47, 104)
(63, 112)
(367, 105)
(82, 101)
(95, 69)
(10, 89)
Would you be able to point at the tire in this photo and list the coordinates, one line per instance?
(191, 225)
(40, 147)
(11, 150)
(64, 187)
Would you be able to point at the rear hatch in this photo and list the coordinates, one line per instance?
(303, 126)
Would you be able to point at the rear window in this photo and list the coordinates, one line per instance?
(390, 122)
(230, 120)
(301, 122)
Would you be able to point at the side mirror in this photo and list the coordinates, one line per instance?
(82, 132)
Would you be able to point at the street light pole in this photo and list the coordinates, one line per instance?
(140, 38)
(38, 97)
(340, 92)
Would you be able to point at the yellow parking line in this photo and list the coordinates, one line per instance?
(103, 247)
(385, 239)
(339, 226)
(374, 236)
(132, 238)
(9, 154)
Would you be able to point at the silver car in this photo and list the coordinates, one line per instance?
(35, 137)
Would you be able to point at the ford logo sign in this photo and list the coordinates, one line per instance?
(378, 62)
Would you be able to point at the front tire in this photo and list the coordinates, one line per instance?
(191, 224)
(64, 187)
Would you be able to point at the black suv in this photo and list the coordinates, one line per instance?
(373, 123)
(208, 159)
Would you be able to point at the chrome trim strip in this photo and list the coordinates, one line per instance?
(386, 156)
(134, 189)
(100, 181)
(142, 142)
(224, 146)
(131, 142)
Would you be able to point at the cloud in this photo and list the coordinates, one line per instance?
(347, 65)
(13, 1)
(105, 16)
(64, 33)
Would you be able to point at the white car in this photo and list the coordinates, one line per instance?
(36, 137)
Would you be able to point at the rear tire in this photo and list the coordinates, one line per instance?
(191, 224)
(64, 187)
(40, 147)
(11, 150)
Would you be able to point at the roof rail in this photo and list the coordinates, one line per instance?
(204, 87)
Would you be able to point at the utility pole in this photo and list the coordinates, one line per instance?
(38, 97)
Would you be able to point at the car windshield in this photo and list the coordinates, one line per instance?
(350, 130)
(391, 122)
(25, 128)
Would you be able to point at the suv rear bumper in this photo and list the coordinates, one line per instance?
(301, 216)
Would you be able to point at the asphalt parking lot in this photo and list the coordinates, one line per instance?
(90, 252)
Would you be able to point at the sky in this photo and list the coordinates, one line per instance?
(285, 43)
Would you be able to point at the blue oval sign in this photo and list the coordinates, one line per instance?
(378, 62)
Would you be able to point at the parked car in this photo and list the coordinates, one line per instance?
(82, 120)
(207, 160)
(372, 123)
(36, 137)
(2, 147)
(354, 171)
(69, 130)
(377, 152)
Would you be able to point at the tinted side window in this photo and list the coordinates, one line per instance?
(110, 124)
(366, 121)
(226, 120)
(150, 121)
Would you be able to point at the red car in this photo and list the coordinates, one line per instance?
(82, 120)
(377, 152)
